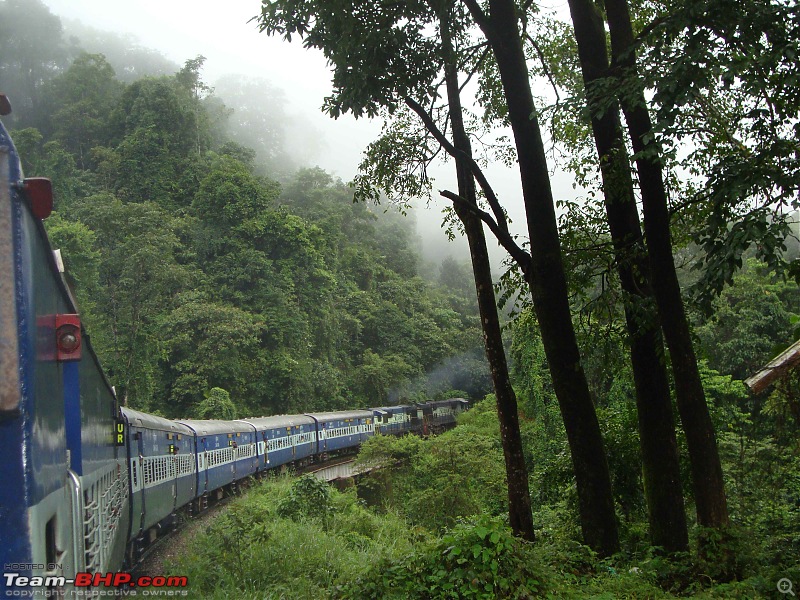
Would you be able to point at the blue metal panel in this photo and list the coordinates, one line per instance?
(39, 295)
(135, 478)
(99, 413)
(31, 435)
(72, 411)
(15, 544)
(246, 464)
(218, 475)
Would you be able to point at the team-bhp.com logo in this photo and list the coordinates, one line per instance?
(95, 584)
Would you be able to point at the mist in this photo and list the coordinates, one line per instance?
(275, 89)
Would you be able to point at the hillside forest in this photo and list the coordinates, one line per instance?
(220, 277)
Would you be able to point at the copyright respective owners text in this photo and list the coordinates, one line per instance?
(93, 585)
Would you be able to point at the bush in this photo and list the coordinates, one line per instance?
(309, 498)
(479, 559)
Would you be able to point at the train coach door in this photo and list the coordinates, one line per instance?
(173, 448)
(137, 474)
(202, 466)
(265, 446)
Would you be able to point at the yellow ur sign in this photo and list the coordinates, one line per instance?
(120, 433)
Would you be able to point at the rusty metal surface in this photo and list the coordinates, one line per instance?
(9, 349)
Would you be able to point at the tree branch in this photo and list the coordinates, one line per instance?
(497, 209)
(481, 18)
(547, 72)
(474, 70)
(503, 236)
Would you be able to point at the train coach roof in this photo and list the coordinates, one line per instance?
(277, 421)
(140, 419)
(445, 402)
(342, 415)
(213, 427)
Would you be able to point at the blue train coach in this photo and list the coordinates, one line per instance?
(337, 431)
(226, 452)
(284, 439)
(162, 469)
(392, 420)
(63, 499)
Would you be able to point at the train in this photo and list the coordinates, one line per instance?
(87, 483)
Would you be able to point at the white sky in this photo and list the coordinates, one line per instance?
(182, 29)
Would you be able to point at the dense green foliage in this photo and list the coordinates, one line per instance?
(195, 269)
(436, 526)
(278, 544)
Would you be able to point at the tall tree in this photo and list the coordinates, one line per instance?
(724, 76)
(189, 79)
(32, 51)
(81, 100)
(707, 482)
(519, 499)
(546, 278)
(660, 463)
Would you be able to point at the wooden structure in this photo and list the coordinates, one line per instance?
(777, 368)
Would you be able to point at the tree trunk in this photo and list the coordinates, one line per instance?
(709, 489)
(519, 499)
(547, 281)
(660, 461)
